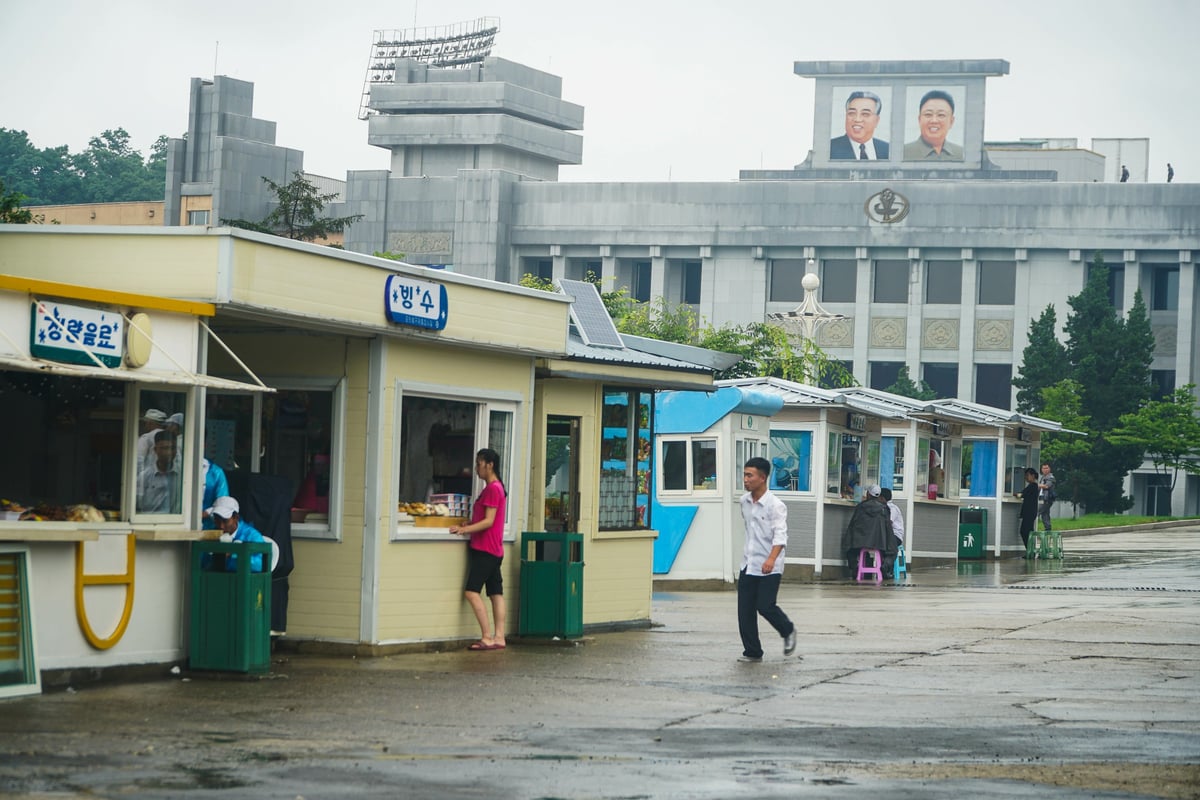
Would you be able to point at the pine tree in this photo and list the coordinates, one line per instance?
(1109, 358)
(1043, 363)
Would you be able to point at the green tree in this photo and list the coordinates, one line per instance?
(1110, 360)
(297, 214)
(10, 208)
(1167, 431)
(906, 387)
(1043, 363)
(44, 176)
(111, 171)
(1066, 451)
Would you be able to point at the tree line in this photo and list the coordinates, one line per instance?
(109, 170)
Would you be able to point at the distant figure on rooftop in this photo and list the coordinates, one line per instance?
(1124, 173)
(1170, 172)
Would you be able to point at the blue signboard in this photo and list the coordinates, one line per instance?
(408, 301)
(66, 333)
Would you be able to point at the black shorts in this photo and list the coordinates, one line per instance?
(483, 569)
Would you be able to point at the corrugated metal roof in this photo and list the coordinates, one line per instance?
(576, 349)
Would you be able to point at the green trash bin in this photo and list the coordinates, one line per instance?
(231, 610)
(972, 532)
(551, 584)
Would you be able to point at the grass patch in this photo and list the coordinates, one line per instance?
(1107, 520)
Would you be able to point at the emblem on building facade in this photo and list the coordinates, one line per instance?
(886, 207)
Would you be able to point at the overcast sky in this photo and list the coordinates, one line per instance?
(672, 89)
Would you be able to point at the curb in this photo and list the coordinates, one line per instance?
(1145, 526)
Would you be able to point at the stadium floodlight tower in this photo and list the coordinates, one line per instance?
(806, 318)
(448, 46)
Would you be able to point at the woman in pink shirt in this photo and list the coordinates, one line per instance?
(485, 551)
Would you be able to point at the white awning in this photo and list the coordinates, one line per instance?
(30, 364)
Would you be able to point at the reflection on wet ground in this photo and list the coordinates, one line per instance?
(1162, 560)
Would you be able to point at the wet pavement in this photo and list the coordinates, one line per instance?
(1007, 679)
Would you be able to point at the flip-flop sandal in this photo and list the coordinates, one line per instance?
(478, 646)
(497, 646)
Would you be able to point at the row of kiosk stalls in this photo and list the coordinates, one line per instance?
(99, 476)
(385, 380)
(970, 463)
(826, 446)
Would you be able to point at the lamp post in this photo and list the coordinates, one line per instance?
(806, 319)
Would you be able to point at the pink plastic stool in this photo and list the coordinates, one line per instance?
(876, 570)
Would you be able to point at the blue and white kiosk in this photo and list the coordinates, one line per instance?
(702, 441)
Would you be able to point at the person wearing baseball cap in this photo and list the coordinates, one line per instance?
(225, 513)
(152, 422)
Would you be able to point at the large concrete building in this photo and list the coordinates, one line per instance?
(938, 256)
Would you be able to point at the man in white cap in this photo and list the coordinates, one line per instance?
(174, 424)
(225, 512)
(152, 422)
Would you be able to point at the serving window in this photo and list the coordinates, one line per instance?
(791, 460)
(625, 436)
(439, 435)
(63, 448)
(296, 433)
(941, 459)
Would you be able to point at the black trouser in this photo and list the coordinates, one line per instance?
(757, 595)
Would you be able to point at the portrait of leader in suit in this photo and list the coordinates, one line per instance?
(863, 113)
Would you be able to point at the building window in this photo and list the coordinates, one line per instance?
(943, 282)
(1164, 289)
(844, 466)
(197, 218)
(19, 673)
(1116, 285)
(827, 381)
(640, 282)
(688, 465)
(941, 459)
(625, 438)
(439, 437)
(942, 378)
(891, 463)
(993, 385)
(540, 268)
(690, 291)
(891, 281)
(294, 433)
(979, 468)
(1162, 383)
(997, 283)
(1017, 458)
(839, 280)
(160, 453)
(791, 460)
(786, 277)
(584, 269)
(884, 373)
(63, 443)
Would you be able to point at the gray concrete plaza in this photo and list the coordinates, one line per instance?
(1063, 679)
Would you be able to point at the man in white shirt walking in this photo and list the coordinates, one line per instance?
(765, 516)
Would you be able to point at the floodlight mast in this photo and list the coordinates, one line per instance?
(456, 46)
(807, 318)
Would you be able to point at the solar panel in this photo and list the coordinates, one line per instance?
(590, 316)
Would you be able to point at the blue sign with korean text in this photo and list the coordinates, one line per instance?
(66, 333)
(422, 304)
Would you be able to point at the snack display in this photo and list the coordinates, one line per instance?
(430, 515)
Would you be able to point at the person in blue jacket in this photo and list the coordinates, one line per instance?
(215, 485)
(225, 513)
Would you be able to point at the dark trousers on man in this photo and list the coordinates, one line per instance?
(757, 594)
